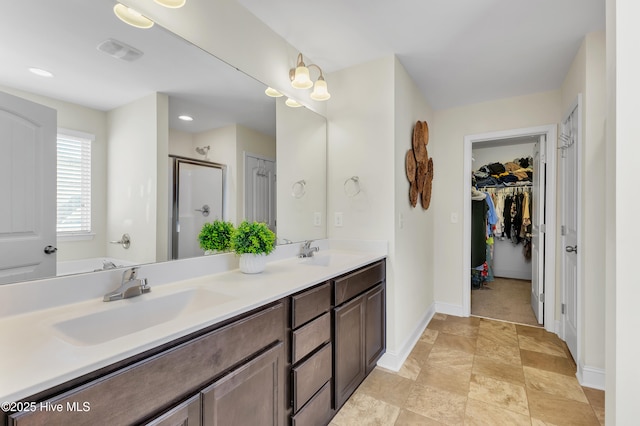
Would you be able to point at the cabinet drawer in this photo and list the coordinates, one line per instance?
(310, 375)
(317, 410)
(353, 284)
(307, 338)
(308, 305)
(133, 393)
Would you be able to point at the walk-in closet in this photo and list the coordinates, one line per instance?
(502, 210)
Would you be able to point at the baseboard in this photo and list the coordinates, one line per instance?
(449, 309)
(393, 360)
(591, 377)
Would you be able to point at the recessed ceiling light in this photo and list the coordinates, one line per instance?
(40, 72)
(185, 118)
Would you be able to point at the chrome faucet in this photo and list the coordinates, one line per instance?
(131, 286)
(306, 250)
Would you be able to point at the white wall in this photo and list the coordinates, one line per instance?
(182, 144)
(223, 151)
(587, 76)
(448, 132)
(301, 152)
(411, 290)
(134, 206)
(87, 120)
(622, 289)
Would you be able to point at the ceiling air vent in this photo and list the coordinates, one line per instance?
(119, 50)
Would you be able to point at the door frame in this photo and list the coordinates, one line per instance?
(551, 133)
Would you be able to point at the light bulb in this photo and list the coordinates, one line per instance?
(302, 79)
(320, 91)
(131, 16)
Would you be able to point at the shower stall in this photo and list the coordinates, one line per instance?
(196, 196)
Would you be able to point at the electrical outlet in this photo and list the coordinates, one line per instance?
(338, 219)
(317, 219)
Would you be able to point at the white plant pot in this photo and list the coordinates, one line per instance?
(252, 263)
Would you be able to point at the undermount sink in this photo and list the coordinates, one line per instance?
(135, 314)
(329, 259)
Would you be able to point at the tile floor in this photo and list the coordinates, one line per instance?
(476, 371)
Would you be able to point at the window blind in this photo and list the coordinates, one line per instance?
(74, 185)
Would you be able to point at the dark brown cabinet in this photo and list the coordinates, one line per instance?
(311, 356)
(150, 387)
(184, 414)
(250, 395)
(359, 328)
(299, 358)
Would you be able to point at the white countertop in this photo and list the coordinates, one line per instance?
(35, 357)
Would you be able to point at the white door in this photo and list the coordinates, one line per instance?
(537, 229)
(569, 140)
(27, 190)
(260, 190)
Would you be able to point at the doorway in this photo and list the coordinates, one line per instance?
(541, 266)
(196, 197)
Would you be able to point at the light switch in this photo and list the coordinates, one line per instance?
(317, 219)
(338, 219)
(454, 217)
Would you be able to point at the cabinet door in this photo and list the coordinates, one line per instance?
(349, 325)
(252, 394)
(375, 331)
(186, 413)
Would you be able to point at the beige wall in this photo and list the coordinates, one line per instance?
(448, 132)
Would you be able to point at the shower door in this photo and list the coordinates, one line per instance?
(198, 195)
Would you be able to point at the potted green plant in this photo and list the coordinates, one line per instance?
(216, 236)
(253, 241)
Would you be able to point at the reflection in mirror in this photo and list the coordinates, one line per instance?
(302, 152)
(129, 110)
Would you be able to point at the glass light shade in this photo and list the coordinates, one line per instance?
(172, 4)
(320, 91)
(132, 16)
(301, 79)
(292, 103)
(272, 92)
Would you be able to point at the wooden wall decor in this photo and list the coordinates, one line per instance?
(419, 167)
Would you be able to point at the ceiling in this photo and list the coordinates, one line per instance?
(458, 51)
(62, 37)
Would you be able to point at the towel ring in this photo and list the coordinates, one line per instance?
(352, 186)
(298, 189)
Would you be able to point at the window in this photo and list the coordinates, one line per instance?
(74, 184)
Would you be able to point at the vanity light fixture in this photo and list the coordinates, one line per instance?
(270, 91)
(172, 4)
(131, 16)
(292, 103)
(185, 117)
(301, 79)
(40, 72)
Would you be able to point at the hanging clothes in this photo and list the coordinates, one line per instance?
(479, 210)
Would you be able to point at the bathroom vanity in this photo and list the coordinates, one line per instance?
(288, 346)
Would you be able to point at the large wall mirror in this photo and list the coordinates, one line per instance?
(123, 90)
